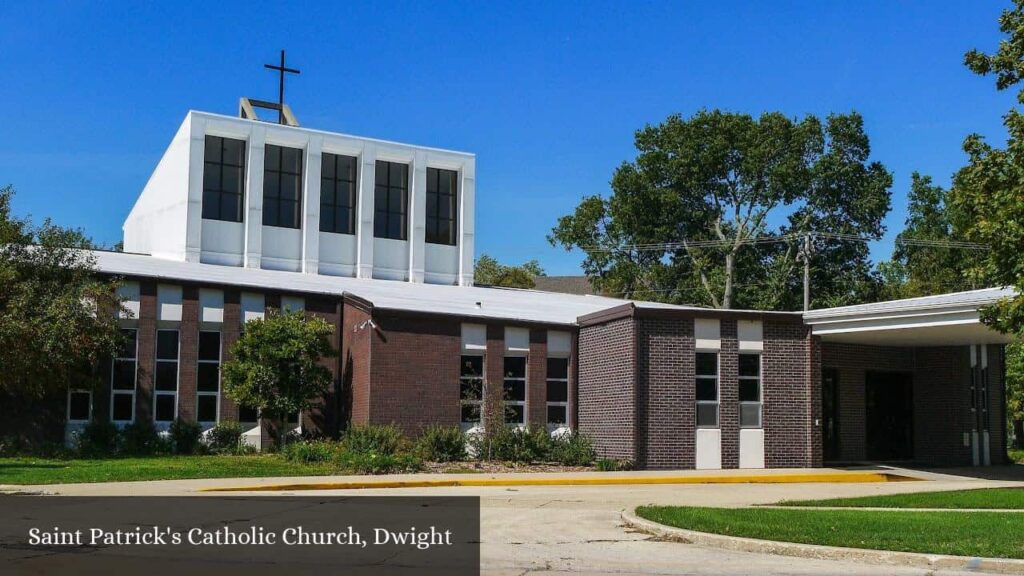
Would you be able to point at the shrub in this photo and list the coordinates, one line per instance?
(141, 439)
(573, 449)
(374, 439)
(512, 444)
(612, 465)
(185, 436)
(374, 463)
(311, 451)
(225, 438)
(98, 438)
(442, 444)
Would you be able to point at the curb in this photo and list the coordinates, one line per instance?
(817, 552)
(850, 477)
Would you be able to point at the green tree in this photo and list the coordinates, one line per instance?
(490, 272)
(57, 317)
(687, 219)
(276, 364)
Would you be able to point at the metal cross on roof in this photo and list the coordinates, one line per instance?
(282, 70)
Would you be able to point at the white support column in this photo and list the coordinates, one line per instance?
(194, 216)
(418, 217)
(254, 198)
(364, 227)
(311, 207)
(467, 211)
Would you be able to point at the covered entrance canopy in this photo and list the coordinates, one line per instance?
(920, 379)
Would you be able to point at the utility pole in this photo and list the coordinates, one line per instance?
(805, 255)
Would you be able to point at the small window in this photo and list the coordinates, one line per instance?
(223, 179)
(79, 405)
(515, 390)
(471, 389)
(282, 187)
(165, 393)
(248, 414)
(442, 186)
(338, 194)
(390, 200)
(707, 389)
(208, 377)
(558, 392)
(123, 374)
(750, 390)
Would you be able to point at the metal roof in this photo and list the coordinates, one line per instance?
(971, 299)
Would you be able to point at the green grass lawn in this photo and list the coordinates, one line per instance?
(50, 471)
(987, 534)
(987, 498)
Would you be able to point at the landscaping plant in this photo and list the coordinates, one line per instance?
(185, 436)
(442, 444)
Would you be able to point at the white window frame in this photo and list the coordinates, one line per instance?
(525, 402)
(217, 394)
(135, 381)
(177, 374)
(483, 388)
(717, 402)
(67, 415)
(568, 397)
(760, 390)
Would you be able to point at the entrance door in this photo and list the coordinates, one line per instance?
(830, 412)
(889, 415)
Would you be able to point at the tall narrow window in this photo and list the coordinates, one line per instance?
(750, 390)
(390, 200)
(79, 406)
(338, 194)
(122, 378)
(165, 393)
(223, 179)
(208, 377)
(471, 389)
(515, 390)
(707, 389)
(558, 392)
(282, 187)
(441, 202)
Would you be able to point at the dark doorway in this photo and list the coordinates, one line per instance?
(830, 413)
(889, 415)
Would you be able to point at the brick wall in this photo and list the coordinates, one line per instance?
(729, 394)
(147, 352)
(188, 353)
(606, 387)
(536, 377)
(787, 396)
(997, 404)
(666, 397)
(322, 417)
(355, 360)
(231, 329)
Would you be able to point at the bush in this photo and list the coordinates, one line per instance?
(185, 436)
(374, 439)
(312, 451)
(442, 444)
(573, 449)
(512, 444)
(97, 439)
(142, 439)
(374, 463)
(612, 465)
(226, 438)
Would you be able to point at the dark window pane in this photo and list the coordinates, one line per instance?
(212, 149)
(270, 213)
(127, 344)
(209, 345)
(78, 405)
(290, 186)
(750, 364)
(470, 413)
(750, 390)
(514, 414)
(234, 151)
(124, 375)
(347, 168)
(272, 158)
(471, 390)
(515, 366)
(123, 404)
(327, 219)
(380, 199)
(291, 160)
(558, 391)
(206, 408)
(293, 418)
(395, 204)
(707, 389)
(164, 408)
(247, 414)
(472, 366)
(558, 367)
(431, 205)
(396, 230)
(327, 193)
(167, 376)
(343, 220)
(444, 208)
(167, 345)
(231, 207)
(444, 233)
(327, 165)
(211, 177)
(750, 415)
(381, 174)
(289, 217)
(211, 204)
(207, 378)
(233, 179)
(271, 186)
(556, 415)
(398, 174)
(380, 225)
(707, 415)
(515, 390)
(707, 364)
(431, 180)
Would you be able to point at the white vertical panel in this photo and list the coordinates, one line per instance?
(311, 205)
(417, 217)
(168, 303)
(293, 304)
(751, 335)
(559, 344)
(211, 305)
(253, 306)
(708, 448)
(517, 340)
(474, 337)
(254, 198)
(130, 295)
(364, 205)
(708, 333)
(467, 221)
(751, 448)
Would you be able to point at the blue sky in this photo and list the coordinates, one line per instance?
(547, 94)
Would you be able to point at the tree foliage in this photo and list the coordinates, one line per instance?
(275, 365)
(490, 272)
(57, 317)
(706, 190)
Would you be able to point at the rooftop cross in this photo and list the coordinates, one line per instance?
(282, 70)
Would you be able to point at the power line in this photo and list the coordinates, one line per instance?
(784, 238)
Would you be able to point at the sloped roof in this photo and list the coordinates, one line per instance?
(971, 299)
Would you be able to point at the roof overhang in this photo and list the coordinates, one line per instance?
(943, 320)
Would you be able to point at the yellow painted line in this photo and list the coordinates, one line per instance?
(809, 477)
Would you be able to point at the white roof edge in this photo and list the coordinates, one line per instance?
(938, 303)
(329, 133)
